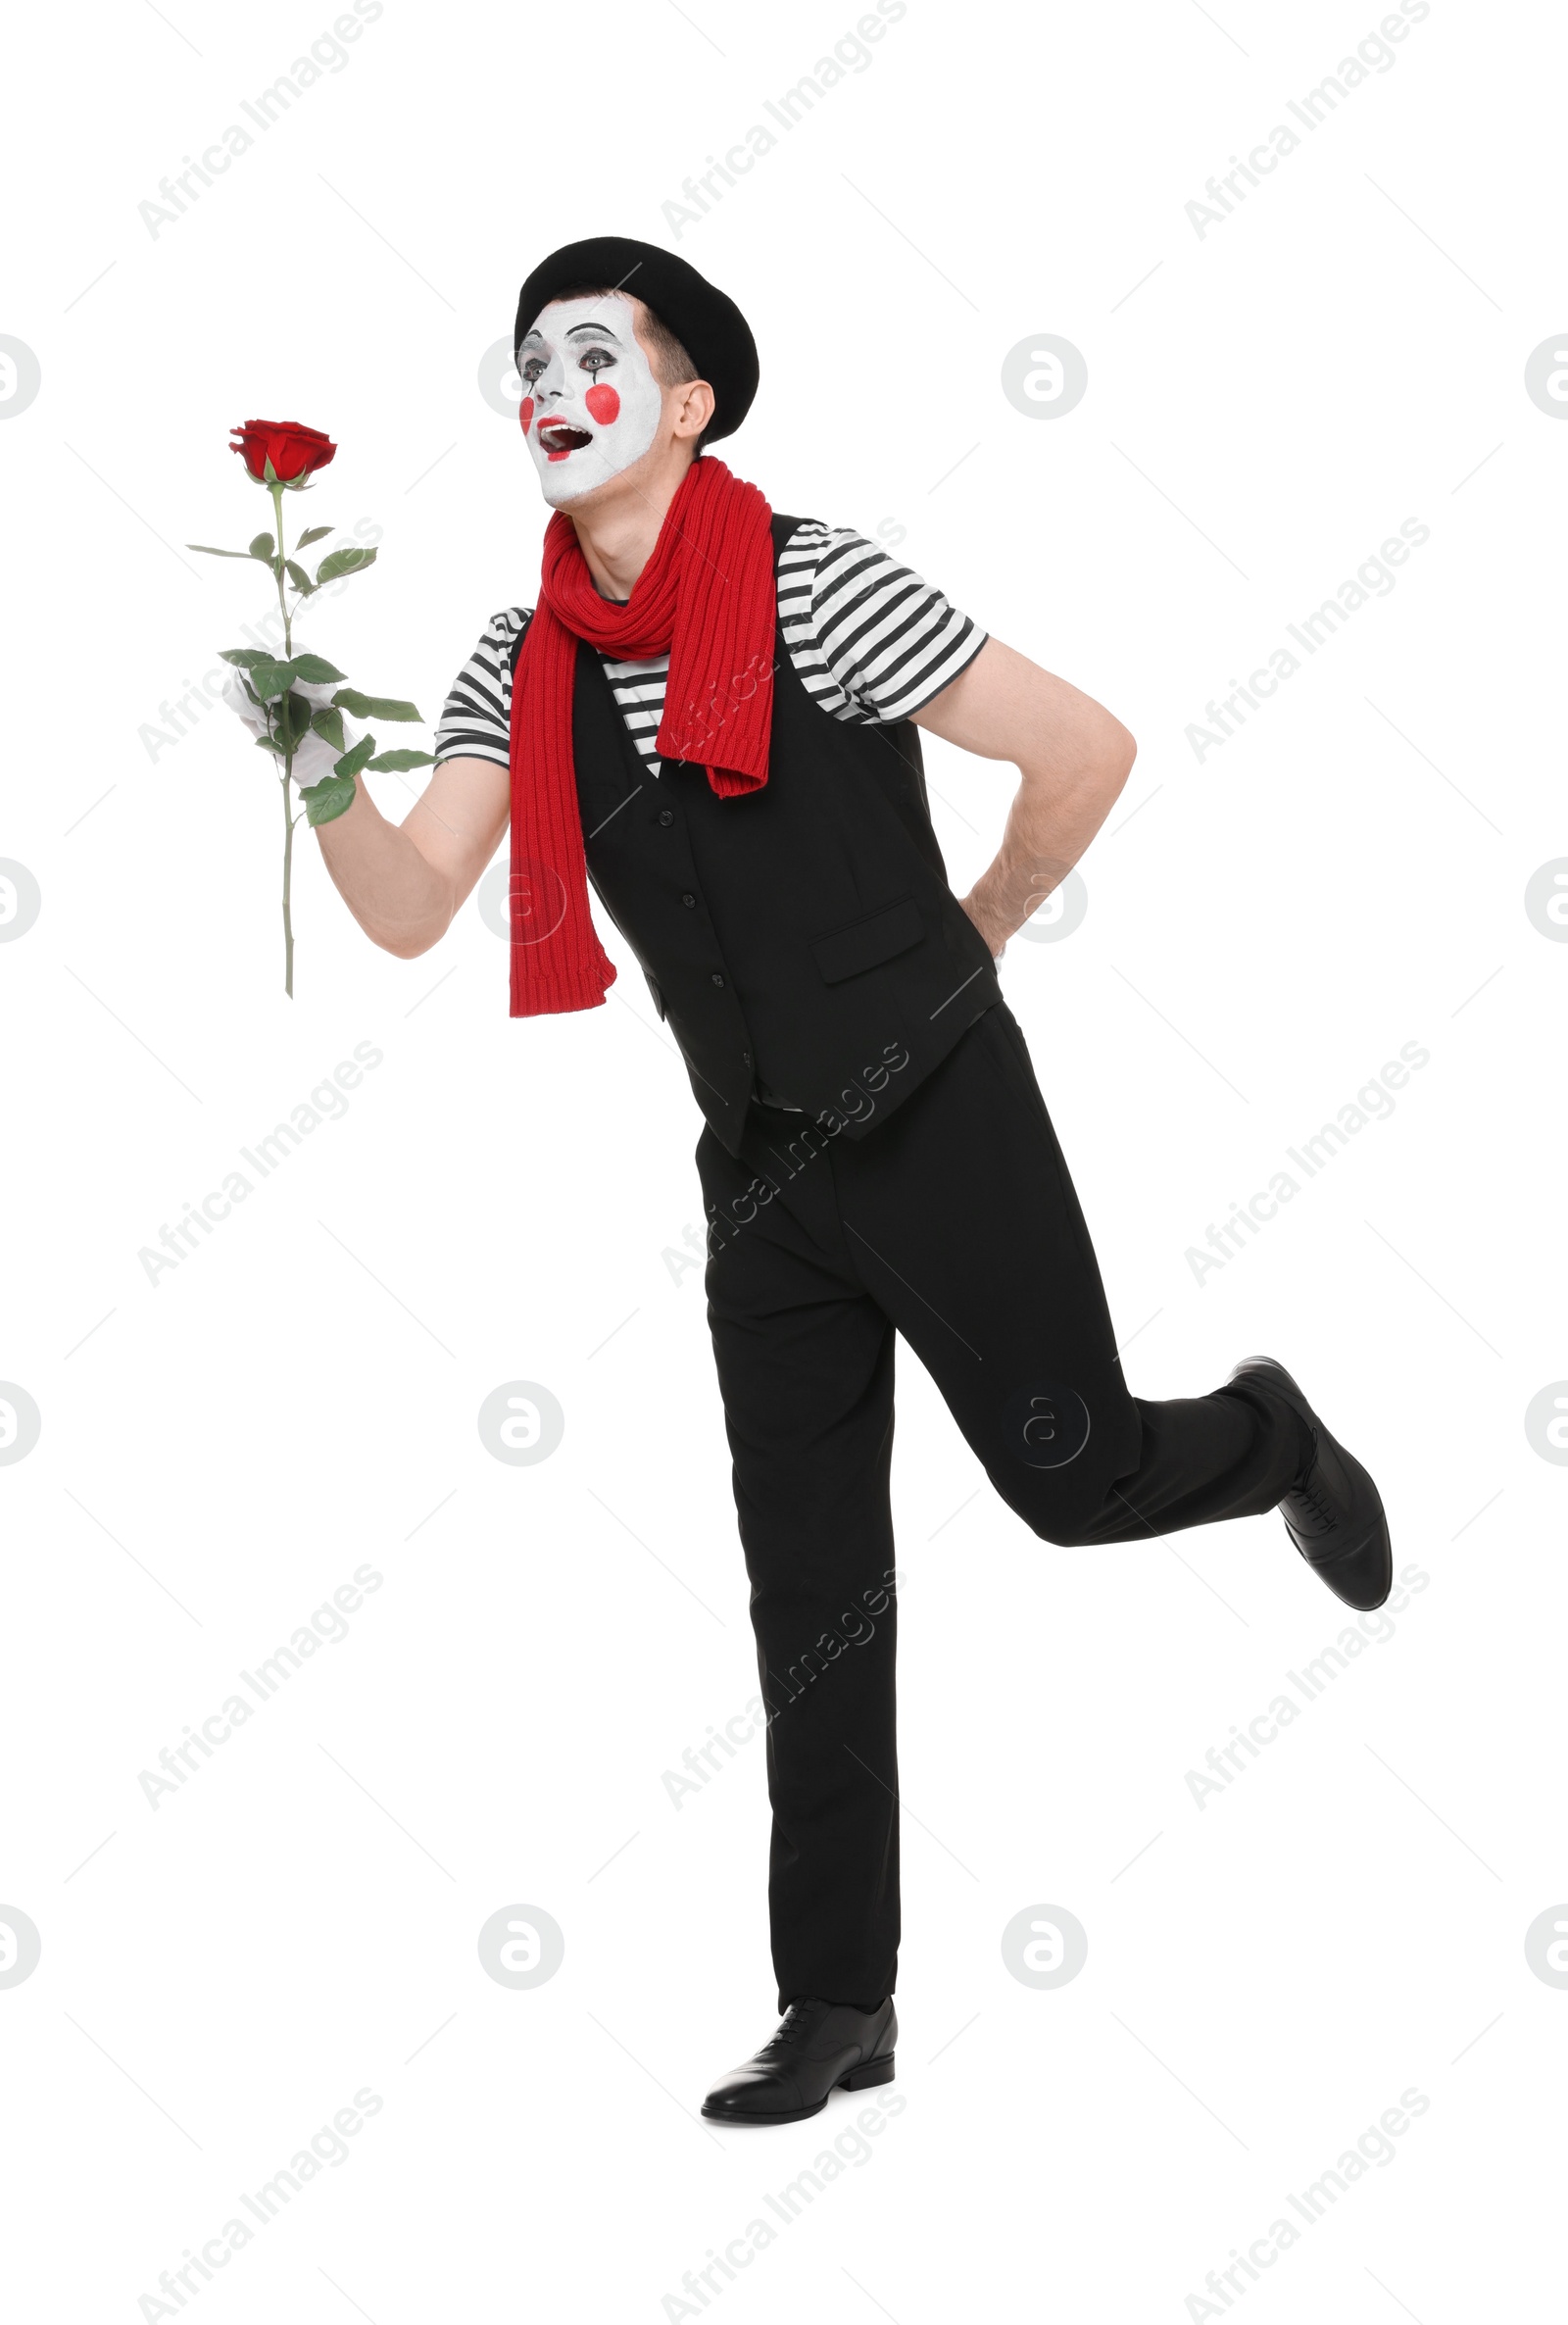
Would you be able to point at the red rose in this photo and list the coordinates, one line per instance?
(294, 450)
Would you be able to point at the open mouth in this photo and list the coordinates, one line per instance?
(557, 438)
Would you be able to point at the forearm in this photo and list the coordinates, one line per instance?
(1051, 820)
(400, 900)
(1073, 756)
(402, 882)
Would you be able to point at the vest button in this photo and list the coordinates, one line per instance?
(717, 979)
(746, 1057)
(688, 900)
(667, 814)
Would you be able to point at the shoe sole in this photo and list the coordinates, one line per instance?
(859, 2078)
(1380, 1529)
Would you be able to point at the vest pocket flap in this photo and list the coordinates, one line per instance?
(865, 943)
(658, 998)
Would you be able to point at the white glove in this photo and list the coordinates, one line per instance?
(315, 758)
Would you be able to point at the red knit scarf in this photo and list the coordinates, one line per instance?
(706, 598)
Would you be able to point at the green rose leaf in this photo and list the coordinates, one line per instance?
(325, 801)
(317, 532)
(263, 547)
(300, 578)
(358, 757)
(205, 551)
(266, 742)
(397, 762)
(329, 724)
(294, 719)
(271, 678)
(372, 706)
(244, 658)
(344, 561)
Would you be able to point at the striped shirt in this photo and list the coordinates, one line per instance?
(870, 641)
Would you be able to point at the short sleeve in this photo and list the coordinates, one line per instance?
(477, 723)
(883, 642)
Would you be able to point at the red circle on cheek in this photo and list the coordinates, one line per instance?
(603, 405)
(525, 413)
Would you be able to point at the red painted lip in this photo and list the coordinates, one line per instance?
(555, 419)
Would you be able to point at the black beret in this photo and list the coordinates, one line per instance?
(710, 326)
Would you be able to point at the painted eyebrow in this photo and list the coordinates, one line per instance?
(599, 331)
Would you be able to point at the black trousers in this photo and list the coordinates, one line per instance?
(954, 1224)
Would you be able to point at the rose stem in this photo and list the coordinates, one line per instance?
(277, 491)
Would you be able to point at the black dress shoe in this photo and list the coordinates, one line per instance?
(820, 2047)
(1332, 1513)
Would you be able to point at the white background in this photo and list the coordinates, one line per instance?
(1267, 1973)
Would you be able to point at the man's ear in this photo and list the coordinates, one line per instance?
(694, 408)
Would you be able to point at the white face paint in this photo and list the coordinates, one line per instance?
(590, 402)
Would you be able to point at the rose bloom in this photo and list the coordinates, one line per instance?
(294, 450)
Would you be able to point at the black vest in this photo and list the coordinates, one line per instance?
(802, 937)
